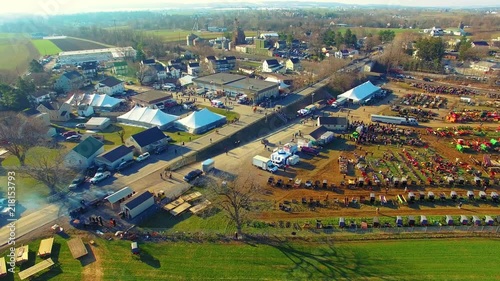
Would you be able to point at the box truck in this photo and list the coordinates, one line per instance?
(394, 120)
(264, 163)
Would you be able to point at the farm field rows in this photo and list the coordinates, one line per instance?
(75, 44)
(46, 47)
(430, 259)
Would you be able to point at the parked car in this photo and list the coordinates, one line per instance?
(161, 149)
(80, 125)
(123, 165)
(69, 133)
(143, 157)
(100, 177)
(309, 150)
(193, 175)
(427, 79)
(77, 181)
(74, 138)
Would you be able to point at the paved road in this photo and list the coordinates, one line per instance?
(147, 176)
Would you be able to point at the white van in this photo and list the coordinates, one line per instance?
(217, 103)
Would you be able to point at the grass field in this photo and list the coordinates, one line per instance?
(445, 259)
(76, 44)
(373, 30)
(46, 47)
(15, 54)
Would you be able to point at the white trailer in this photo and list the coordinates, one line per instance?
(264, 163)
(394, 120)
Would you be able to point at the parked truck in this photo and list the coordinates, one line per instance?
(264, 163)
(394, 120)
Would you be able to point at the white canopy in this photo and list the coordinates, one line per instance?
(361, 92)
(186, 80)
(147, 117)
(95, 100)
(201, 121)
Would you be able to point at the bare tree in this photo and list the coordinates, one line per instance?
(18, 133)
(236, 198)
(121, 134)
(47, 166)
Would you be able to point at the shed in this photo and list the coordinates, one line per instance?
(411, 220)
(488, 220)
(430, 195)
(22, 254)
(138, 204)
(327, 137)
(30, 271)
(482, 195)
(77, 248)
(399, 221)
(341, 222)
(453, 195)
(423, 221)
(207, 165)
(470, 194)
(333, 123)
(449, 220)
(3, 267)
(476, 220)
(45, 248)
(97, 123)
(494, 196)
(464, 220)
(119, 196)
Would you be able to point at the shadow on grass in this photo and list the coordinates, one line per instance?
(148, 259)
(89, 258)
(51, 274)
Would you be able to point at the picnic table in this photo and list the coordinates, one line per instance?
(180, 209)
(77, 248)
(29, 272)
(192, 196)
(45, 247)
(200, 207)
(22, 254)
(174, 204)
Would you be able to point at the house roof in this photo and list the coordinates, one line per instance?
(159, 67)
(138, 200)
(148, 61)
(480, 43)
(211, 58)
(295, 60)
(148, 136)
(31, 112)
(119, 63)
(152, 97)
(119, 195)
(51, 105)
(88, 147)
(194, 64)
(317, 133)
(333, 121)
(220, 62)
(117, 153)
(272, 62)
(111, 81)
(89, 65)
(97, 121)
(360, 92)
(72, 75)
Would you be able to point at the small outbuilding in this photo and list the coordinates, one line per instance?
(333, 123)
(119, 196)
(138, 204)
(45, 248)
(97, 123)
(77, 248)
(114, 157)
(423, 221)
(464, 220)
(399, 221)
(449, 220)
(22, 254)
(341, 222)
(411, 221)
(476, 220)
(488, 220)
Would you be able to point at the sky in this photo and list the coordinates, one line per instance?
(52, 7)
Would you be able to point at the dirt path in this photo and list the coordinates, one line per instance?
(92, 270)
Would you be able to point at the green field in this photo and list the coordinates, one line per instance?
(46, 47)
(15, 54)
(180, 35)
(430, 259)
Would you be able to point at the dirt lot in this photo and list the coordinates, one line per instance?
(326, 167)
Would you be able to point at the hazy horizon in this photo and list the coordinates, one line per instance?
(54, 7)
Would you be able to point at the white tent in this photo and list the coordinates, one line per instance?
(201, 121)
(360, 93)
(148, 118)
(102, 102)
(186, 80)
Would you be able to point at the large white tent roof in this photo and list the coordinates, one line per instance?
(360, 92)
(148, 115)
(186, 80)
(97, 100)
(200, 118)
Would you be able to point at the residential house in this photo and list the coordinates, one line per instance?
(137, 204)
(89, 69)
(333, 123)
(58, 112)
(114, 157)
(220, 66)
(193, 68)
(70, 81)
(177, 63)
(161, 72)
(147, 140)
(174, 72)
(148, 62)
(271, 65)
(120, 68)
(480, 44)
(82, 156)
(318, 134)
(43, 117)
(110, 86)
(280, 44)
(293, 64)
(41, 95)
